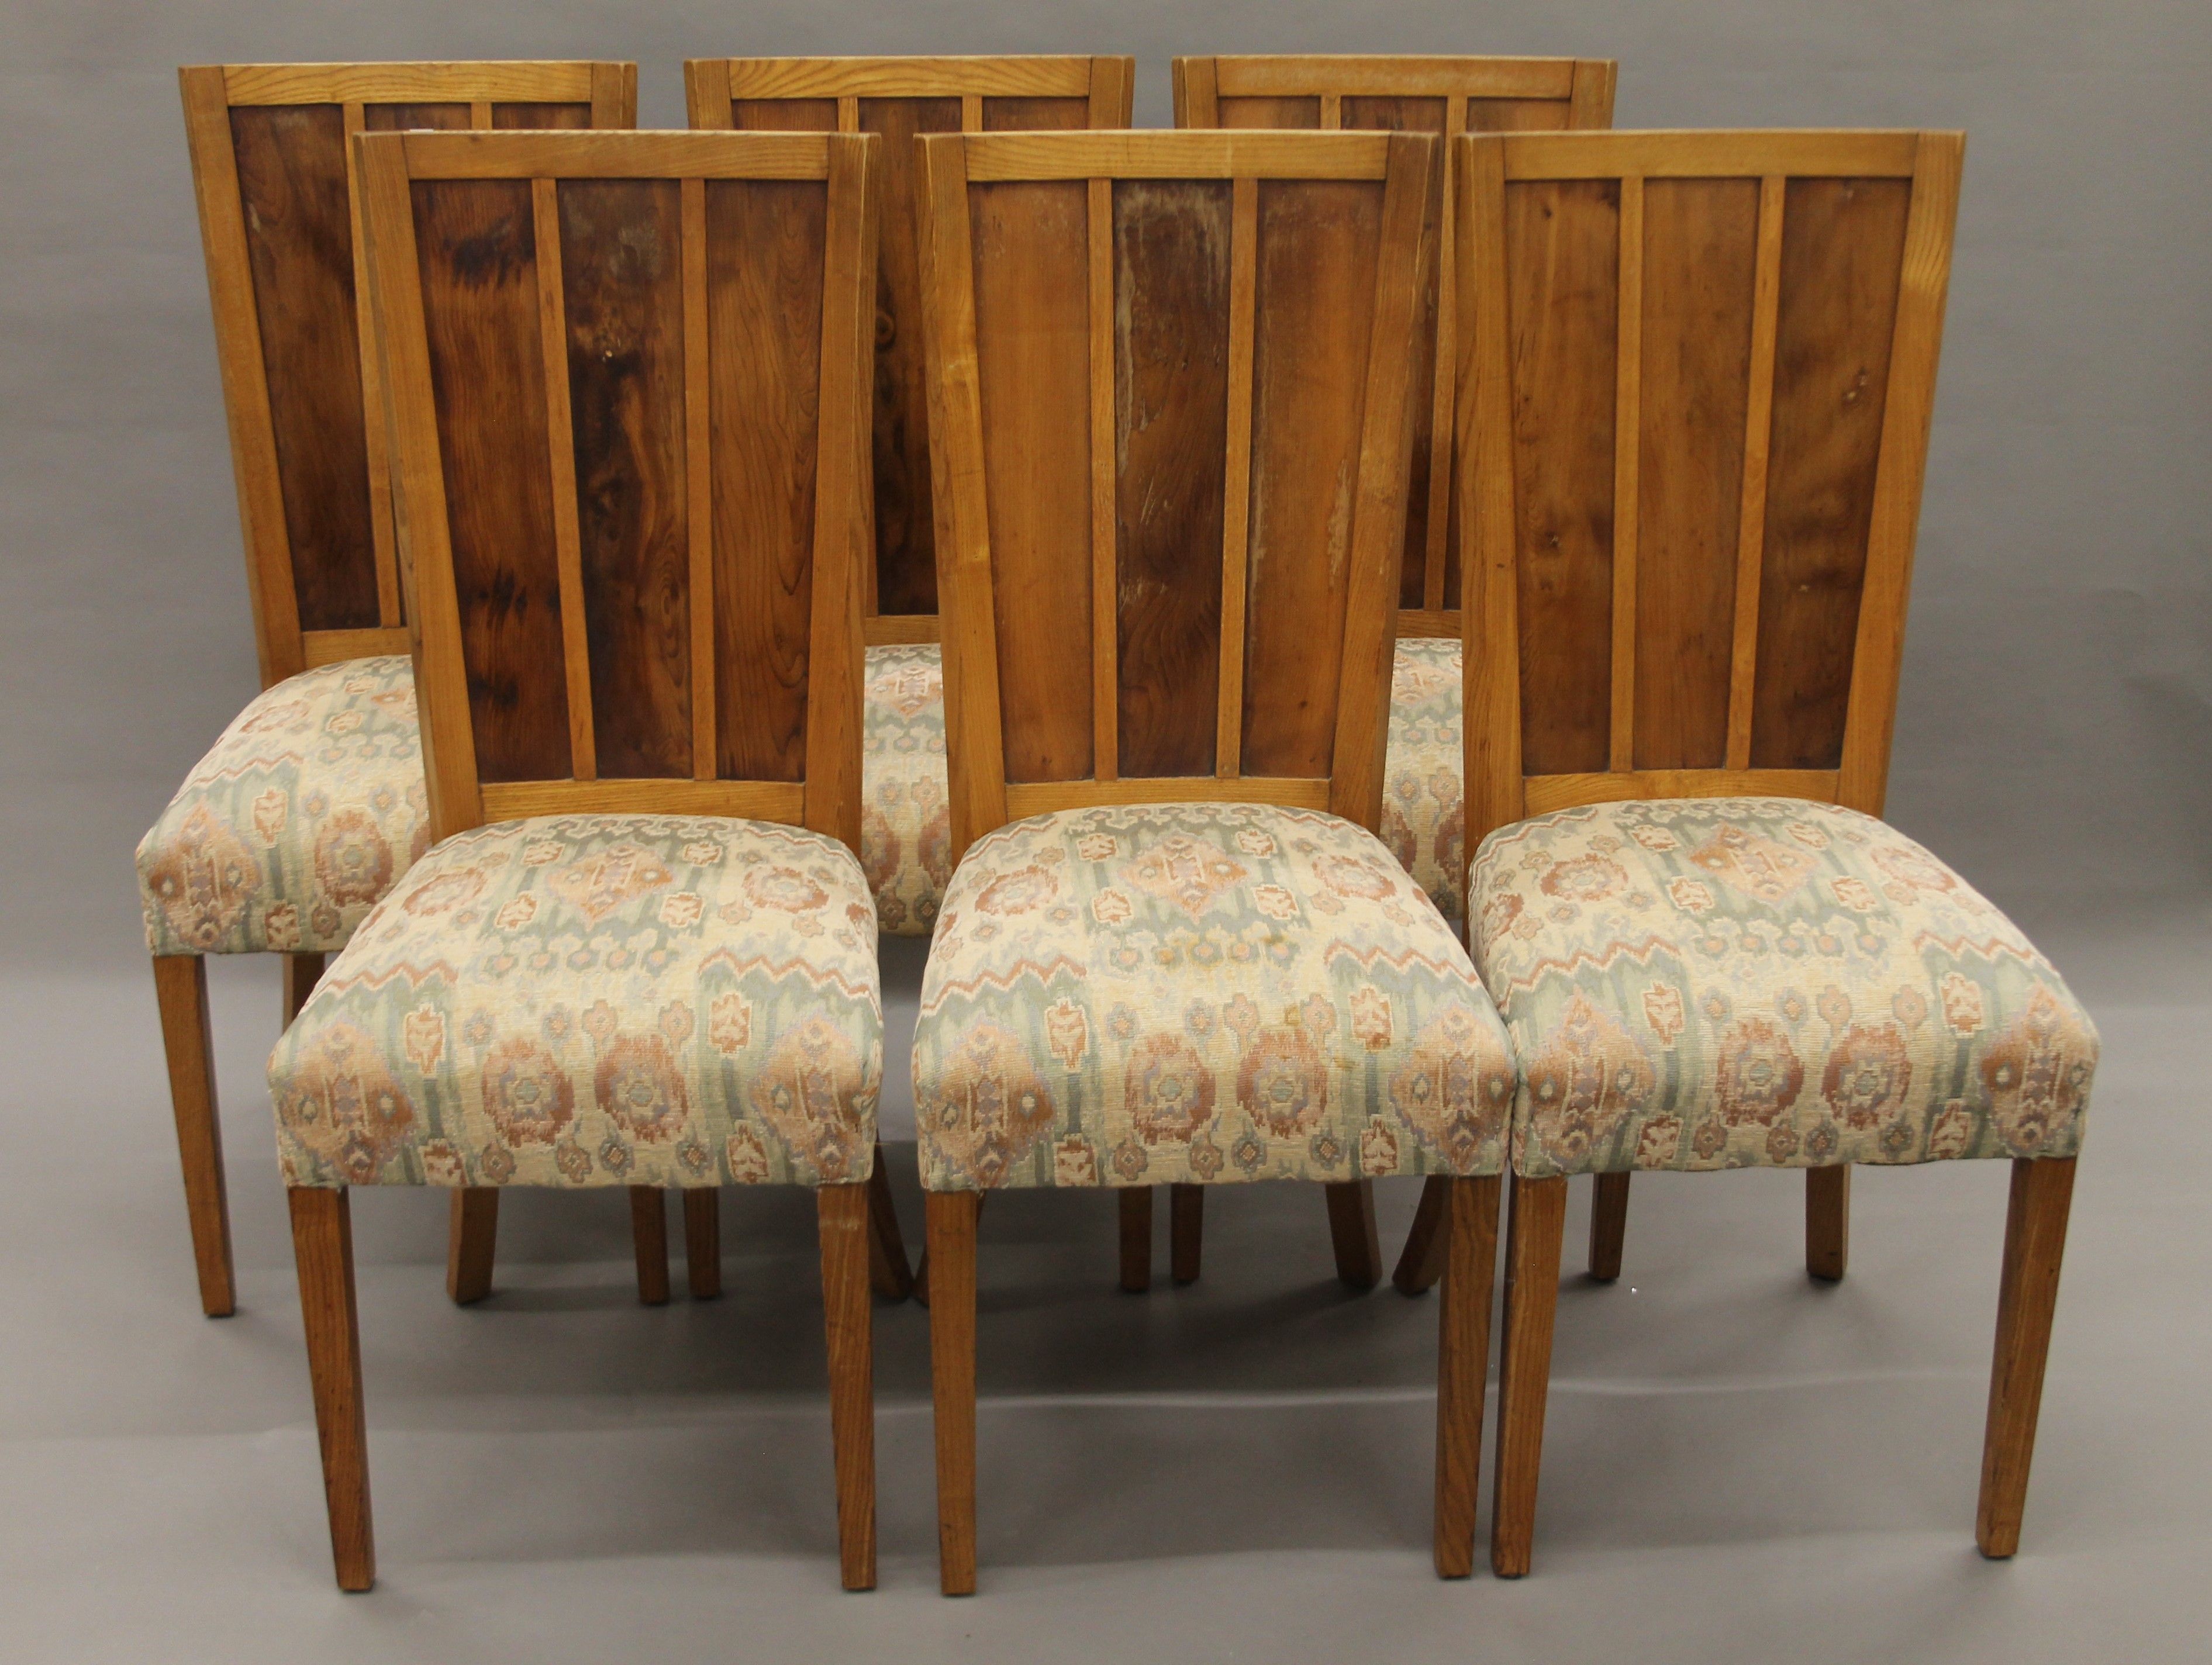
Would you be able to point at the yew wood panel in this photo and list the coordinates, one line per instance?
(1842, 240)
(622, 279)
(1313, 308)
(399, 117)
(1291, 112)
(1171, 259)
(475, 242)
(539, 116)
(764, 254)
(1035, 115)
(1562, 275)
(1032, 254)
(787, 115)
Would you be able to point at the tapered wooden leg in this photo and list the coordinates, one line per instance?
(702, 1240)
(849, 1314)
(322, 1244)
(1421, 1262)
(1136, 1224)
(1186, 1230)
(301, 973)
(921, 1266)
(1533, 1241)
(648, 1232)
(1608, 1225)
(888, 1271)
(1351, 1233)
(952, 1383)
(1828, 1222)
(471, 1233)
(2035, 1238)
(1470, 1236)
(180, 991)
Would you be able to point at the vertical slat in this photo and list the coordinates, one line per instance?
(374, 435)
(1236, 472)
(1438, 566)
(1332, 111)
(848, 115)
(480, 114)
(1627, 456)
(971, 112)
(706, 94)
(560, 455)
(1112, 87)
(1196, 99)
(614, 93)
(1590, 102)
(1105, 670)
(1751, 513)
(699, 478)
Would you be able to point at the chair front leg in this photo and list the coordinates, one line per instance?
(1608, 1225)
(472, 1236)
(1828, 1222)
(648, 1235)
(2035, 1239)
(322, 1246)
(180, 991)
(1470, 1234)
(848, 1314)
(1533, 1234)
(1351, 1233)
(952, 1382)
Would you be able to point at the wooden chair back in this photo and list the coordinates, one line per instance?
(1442, 95)
(900, 98)
(1699, 372)
(280, 220)
(1170, 379)
(628, 376)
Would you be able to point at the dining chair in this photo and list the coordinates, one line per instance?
(1173, 949)
(904, 838)
(628, 380)
(311, 804)
(1699, 373)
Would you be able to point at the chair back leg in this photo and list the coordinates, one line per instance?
(1828, 1222)
(1186, 1230)
(648, 1235)
(1609, 1224)
(702, 1240)
(471, 1237)
(1421, 1262)
(181, 990)
(1351, 1233)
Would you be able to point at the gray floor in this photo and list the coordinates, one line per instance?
(1741, 1465)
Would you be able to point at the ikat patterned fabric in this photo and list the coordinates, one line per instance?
(297, 822)
(596, 999)
(1735, 982)
(1424, 821)
(906, 832)
(1200, 992)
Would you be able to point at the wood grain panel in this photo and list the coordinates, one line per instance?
(1031, 249)
(1516, 115)
(1271, 112)
(479, 271)
(621, 270)
(1315, 300)
(400, 118)
(1170, 305)
(541, 115)
(1035, 115)
(764, 265)
(1842, 241)
(784, 115)
(298, 237)
(1701, 246)
(1562, 261)
(906, 545)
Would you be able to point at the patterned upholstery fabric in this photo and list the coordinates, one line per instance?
(1207, 993)
(906, 838)
(1731, 982)
(296, 823)
(596, 1000)
(906, 842)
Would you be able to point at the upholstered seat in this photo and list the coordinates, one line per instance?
(295, 823)
(1201, 992)
(596, 999)
(1727, 982)
(906, 832)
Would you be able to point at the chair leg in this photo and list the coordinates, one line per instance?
(1828, 1222)
(887, 1272)
(1135, 1205)
(471, 1233)
(301, 973)
(2035, 1238)
(648, 1233)
(952, 1383)
(702, 1240)
(1351, 1233)
(180, 991)
(1534, 1232)
(1186, 1230)
(1421, 1262)
(322, 1244)
(848, 1313)
(1608, 1225)
(1470, 1233)
(921, 1264)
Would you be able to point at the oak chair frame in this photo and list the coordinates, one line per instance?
(1459, 94)
(1003, 765)
(462, 746)
(484, 93)
(829, 93)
